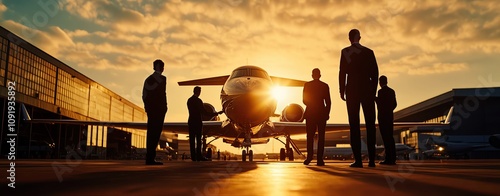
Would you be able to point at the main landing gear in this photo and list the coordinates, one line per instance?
(284, 154)
(244, 155)
(287, 151)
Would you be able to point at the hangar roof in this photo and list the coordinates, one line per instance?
(440, 105)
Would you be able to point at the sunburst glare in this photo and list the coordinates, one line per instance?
(279, 93)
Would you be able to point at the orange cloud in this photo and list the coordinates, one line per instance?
(421, 64)
(438, 68)
(3, 8)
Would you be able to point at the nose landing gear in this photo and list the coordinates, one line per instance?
(244, 155)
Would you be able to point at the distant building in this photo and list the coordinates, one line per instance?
(475, 116)
(51, 89)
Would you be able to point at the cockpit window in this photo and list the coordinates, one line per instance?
(259, 73)
(239, 73)
(249, 72)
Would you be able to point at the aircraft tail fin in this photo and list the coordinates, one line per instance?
(448, 116)
(24, 113)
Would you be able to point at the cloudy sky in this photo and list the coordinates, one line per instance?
(424, 47)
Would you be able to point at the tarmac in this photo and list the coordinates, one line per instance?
(132, 177)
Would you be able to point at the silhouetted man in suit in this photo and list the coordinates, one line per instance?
(316, 97)
(358, 77)
(154, 97)
(195, 123)
(386, 103)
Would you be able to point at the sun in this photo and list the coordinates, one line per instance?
(278, 92)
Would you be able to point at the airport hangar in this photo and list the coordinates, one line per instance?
(51, 89)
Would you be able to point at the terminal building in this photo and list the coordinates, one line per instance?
(474, 115)
(51, 89)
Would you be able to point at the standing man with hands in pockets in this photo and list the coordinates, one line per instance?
(316, 97)
(386, 103)
(154, 96)
(358, 78)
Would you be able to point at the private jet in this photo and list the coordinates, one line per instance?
(247, 101)
(442, 147)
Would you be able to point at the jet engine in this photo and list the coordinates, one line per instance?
(292, 113)
(209, 108)
(495, 140)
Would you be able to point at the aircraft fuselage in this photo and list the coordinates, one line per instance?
(247, 99)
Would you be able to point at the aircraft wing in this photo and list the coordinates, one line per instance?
(287, 82)
(183, 128)
(219, 80)
(170, 127)
(297, 128)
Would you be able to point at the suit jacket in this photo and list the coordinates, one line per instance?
(154, 94)
(196, 110)
(358, 75)
(386, 102)
(316, 97)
